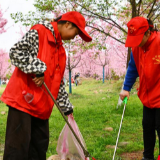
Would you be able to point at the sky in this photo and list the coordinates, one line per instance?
(11, 36)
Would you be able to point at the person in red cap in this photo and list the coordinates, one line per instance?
(39, 57)
(145, 64)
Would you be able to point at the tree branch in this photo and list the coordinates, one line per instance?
(156, 17)
(107, 34)
(102, 17)
(155, 11)
(151, 9)
(74, 65)
(139, 3)
(145, 9)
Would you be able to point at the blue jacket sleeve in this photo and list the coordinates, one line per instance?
(131, 74)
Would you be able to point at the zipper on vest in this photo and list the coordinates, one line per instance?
(145, 79)
(57, 64)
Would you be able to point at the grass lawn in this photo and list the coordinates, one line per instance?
(94, 111)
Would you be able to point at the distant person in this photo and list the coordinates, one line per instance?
(76, 78)
(72, 80)
(145, 64)
(39, 57)
(7, 81)
(3, 82)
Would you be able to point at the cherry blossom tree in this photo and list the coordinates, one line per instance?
(99, 63)
(102, 56)
(5, 65)
(6, 68)
(74, 49)
(114, 13)
(3, 22)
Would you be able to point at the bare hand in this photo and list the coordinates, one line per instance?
(38, 81)
(124, 94)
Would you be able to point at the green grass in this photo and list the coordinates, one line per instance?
(3, 119)
(94, 109)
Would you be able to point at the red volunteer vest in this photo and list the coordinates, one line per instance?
(54, 56)
(147, 60)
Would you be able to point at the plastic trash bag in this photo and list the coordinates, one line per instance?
(68, 147)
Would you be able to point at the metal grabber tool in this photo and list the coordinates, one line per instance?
(86, 153)
(125, 102)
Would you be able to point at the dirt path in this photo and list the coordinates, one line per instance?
(132, 156)
(125, 156)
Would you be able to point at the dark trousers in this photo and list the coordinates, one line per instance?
(27, 137)
(151, 123)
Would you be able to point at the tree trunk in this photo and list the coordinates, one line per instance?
(128, 56)
(103, 74)
(134, 14)
(70, 84)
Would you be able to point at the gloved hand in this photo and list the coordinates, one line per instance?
(68, 112)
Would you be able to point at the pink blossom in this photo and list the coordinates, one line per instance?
(3, 22)
(5, 65)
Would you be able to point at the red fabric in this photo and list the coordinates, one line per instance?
(53, 55)
(151, 26)
(158, 157)
(72, 80)
(147, 60)
(137, 26)
(92, 158)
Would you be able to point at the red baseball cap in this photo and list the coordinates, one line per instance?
(79, 21)
(137, 27)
